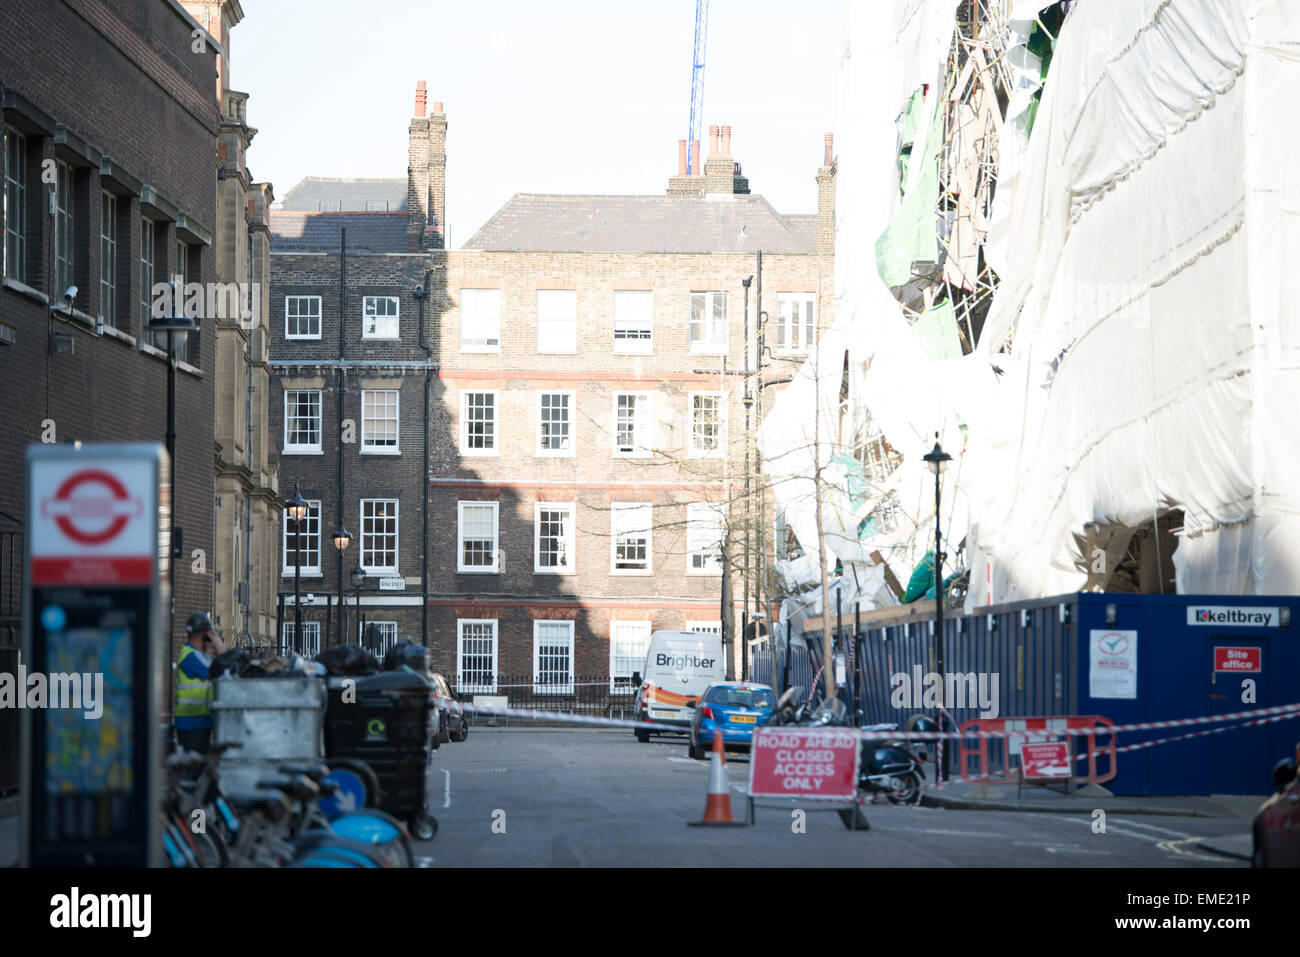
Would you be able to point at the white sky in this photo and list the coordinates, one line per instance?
(547, 96)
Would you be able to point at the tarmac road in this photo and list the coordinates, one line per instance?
(573, 798)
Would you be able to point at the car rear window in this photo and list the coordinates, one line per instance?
(743, 697)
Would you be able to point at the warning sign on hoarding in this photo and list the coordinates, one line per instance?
(1046, 760)
(804, 762)
(93, 520)
(1112, 670)
(1236, 659)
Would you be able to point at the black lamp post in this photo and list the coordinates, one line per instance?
(938, 461)
(297, 508)
(358, 579)
(342, 538)
(177, 328)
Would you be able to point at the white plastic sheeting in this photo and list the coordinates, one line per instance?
(1150, 291)
(891, 48)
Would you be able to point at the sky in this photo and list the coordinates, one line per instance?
(565, 96)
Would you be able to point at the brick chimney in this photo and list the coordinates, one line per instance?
(681, 184)
(826, 200)
(719, 168)
(426, 175)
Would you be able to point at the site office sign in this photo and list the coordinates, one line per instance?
(1228, 659)
(93, 519)
(804, 763)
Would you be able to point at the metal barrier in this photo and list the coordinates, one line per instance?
(993, 761)
(584, 694)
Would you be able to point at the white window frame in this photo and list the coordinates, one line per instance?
(372, 569)
(696, 515)
(636, 344)
(693, 450)
(310, 634)
(464, 422)
(643, 424)
(370, 321)
(148, 271)
(707, 344)
(368, 445)
(289, 540)
(617, 528)
(711, 627)
(108, 220)
(299, 448)
(489, 326)
(298, 316)
(616, 685)
(15, 204)
(538, 687)
(568, 542)
(461, 684)
(552, 338)
(572, 422)
(461, 567)
(65, 225)
(386, 641)
(793, 337)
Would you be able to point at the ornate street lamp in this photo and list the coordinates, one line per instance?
(938, 461)
(358, 579)
(341, 538)
(297, 507)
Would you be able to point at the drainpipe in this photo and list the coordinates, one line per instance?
(342, 386)
(421, 294)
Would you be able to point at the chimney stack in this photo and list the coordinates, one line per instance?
(726, 140)
(695, 158)
(420, 98)
(713, 140)
(681, 157)
(719, 170)
(426, 175)
(826, 201)
(830, 148)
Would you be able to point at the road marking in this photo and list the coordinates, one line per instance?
(424, 862)
(939, 830)
(1129, 822)
(1058, 848)
(1176, 848)
(446, 791)
(691, 761)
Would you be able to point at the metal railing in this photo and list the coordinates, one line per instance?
(593, 695)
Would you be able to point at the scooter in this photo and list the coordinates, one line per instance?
(884, 766)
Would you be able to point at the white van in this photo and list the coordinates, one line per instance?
(679, 665)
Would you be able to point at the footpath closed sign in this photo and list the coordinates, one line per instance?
(804, 763)
(1049, 759)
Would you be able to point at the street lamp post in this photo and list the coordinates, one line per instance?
(177, 328)
(358, 579)
(341, 538)
(297, 508)
(938, 461)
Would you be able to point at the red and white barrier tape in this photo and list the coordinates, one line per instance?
(568, 717)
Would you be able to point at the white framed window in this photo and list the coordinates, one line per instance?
(65, 227)
(557, 320)
(108, 259)
(476, 655)
(555, 423)
(709, 627)
(704, 527)
(15, 205)
(478, 417)
(310, 646)
(379, 317)
(628, 643)
(480, 320)
(379, 535)
(633, 321)
(302, 420)
(630, 538)
(706, 429)
(553, 657)
(148, 268)
(553, 539)
(377, 636)
(379, 417)
(477, 534)
(633, 425)
(796, 323)
(310, 542)
(302, 317)
(708, 322)
(376, 206)
(330, 205)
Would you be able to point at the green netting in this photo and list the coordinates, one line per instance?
(857, 484)
(911, 122)
(937, 332)
(911, 236)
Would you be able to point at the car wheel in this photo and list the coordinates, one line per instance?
(692, 751)
(461, 733)
(642, 737)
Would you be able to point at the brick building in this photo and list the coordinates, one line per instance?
(110, 140)
(586, 421)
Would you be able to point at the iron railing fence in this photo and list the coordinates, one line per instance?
(593, 695)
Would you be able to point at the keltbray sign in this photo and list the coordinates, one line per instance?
(1235, 616)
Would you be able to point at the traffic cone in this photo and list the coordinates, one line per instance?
(717, 807)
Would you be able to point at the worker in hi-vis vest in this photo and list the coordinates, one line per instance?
(193, 717)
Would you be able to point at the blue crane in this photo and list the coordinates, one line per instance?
(697, 81)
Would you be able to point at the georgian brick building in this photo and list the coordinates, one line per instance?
(586, 417)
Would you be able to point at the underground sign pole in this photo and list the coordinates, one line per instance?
(95, 649)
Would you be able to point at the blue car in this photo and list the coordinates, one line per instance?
(735, 708)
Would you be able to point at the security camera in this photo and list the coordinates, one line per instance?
(69, 295)
(419, 292)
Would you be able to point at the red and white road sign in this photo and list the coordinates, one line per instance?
(93, 519)
(1236, 659)
(804, 762)
(1049, 759)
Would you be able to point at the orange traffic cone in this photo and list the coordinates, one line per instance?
(717, 807)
